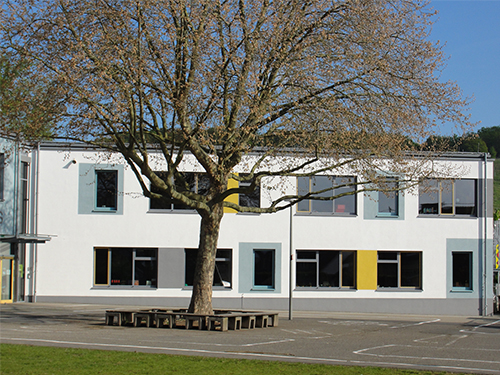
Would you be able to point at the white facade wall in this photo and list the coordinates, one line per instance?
(65, 265)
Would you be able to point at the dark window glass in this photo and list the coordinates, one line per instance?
(195, 182)
(306, 275)
(101, 267)
(399, 269)
(327, 186)
(320, 183)
(329, 270)
(126, 266)
(465, 197)
(448, 197)
(145, 272)
(222, 272)
(410, 269)
(388, 201)
(121, 267)
(106, 189)
(264, 268)
(251, 199)
(325, 269)
(429, 197)
(24, 197)
(348, 268)
(387, 275)
(388, 255)
(462, 270)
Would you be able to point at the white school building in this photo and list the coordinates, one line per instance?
(75, 227)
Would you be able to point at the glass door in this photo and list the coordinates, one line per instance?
(7, 281)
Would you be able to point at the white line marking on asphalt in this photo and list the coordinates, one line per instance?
(261, 355)
(362, 352)
(182, 350)
(480, 326)
(417, 324)
(428, 339)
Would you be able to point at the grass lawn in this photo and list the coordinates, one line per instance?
(23, 359)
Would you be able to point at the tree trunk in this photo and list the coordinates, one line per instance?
(201, 299)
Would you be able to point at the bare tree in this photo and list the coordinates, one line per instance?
(334, 83)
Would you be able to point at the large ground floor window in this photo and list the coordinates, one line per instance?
(125, 266)
(326, 269)
(222, 272)
(399, 269)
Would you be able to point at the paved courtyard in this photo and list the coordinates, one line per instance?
(438, 343)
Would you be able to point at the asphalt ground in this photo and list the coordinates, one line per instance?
(437, 343)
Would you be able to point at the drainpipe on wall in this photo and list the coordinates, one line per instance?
(485, 239)
(34, 254)
(290, 278)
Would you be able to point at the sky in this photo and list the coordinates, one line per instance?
(471, 30)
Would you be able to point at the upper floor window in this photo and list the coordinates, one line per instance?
(448, 197)
(399, 269)
(249, 200)
(106, 189)
(325, 187)
(325, 269)
(388, 200)
(197, 183)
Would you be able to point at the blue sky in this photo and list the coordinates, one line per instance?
(471, 30)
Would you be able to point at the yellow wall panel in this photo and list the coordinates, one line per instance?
(367, 269)
(232, 183)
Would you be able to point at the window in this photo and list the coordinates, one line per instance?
(106, 190)
(399, 269)
(125, 266)
(24, 197)
(197, 183)
(462, 270)
(388, 201)
(252, 199)
(448, 197)
(325, 269)
(324, 187)
(2, 166)
(222, 272)
(263, 269)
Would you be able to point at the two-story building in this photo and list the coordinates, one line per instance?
(425, 252)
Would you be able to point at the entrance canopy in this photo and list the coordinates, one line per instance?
(25, 238)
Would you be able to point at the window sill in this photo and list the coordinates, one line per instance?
(324, 289)
(248, 213)
(217, 288)
(166, 211)
(412, 290)
(130, 287)
(262, 289)
(331, 214)
(386, 216)
(462, 291)
(98, 210)
(429, 216)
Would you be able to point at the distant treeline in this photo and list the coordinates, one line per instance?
(485, 140)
